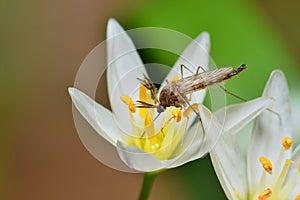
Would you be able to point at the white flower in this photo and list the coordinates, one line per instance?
(145, 144)
(270, 170)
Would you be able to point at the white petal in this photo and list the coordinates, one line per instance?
(138, 159)
(269, 128)
(230, 166)
(97, 116)
(196, 54)
(227, 157)
(235, 117)
(194, 145)
(124, 67)
(294, 170)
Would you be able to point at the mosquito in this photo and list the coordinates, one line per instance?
(175, 93)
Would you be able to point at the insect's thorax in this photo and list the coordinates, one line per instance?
(170, 96)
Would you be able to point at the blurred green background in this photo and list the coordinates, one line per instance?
(42, 46)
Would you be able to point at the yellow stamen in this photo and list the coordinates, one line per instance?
(149, 125)
(143, 97)
(287, 143)
(189, 110)
(148, 120)
(175, 78)
(149, 129)
(282, 176)
(266, 163)
(177, 114)
(297, 197)
(128, 100)
(265, 194)
(290, 183)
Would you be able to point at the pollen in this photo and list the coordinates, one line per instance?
(297, 197)
(298, 166)
(287, 143)
(266, 163)
(177, 114)
(129, 102)
(175, 78)
(265, 194)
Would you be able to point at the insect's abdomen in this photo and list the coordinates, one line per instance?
(168, 98)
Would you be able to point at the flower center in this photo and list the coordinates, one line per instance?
(159, 138)
(277, 185)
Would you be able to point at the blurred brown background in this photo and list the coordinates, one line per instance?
(42, 46)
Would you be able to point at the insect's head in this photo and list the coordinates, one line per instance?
(159, 108)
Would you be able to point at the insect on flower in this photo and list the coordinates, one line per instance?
(176, 92)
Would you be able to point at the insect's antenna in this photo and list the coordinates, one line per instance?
(142, 104)
(147, 83)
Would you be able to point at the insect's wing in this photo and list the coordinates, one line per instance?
(203, 80)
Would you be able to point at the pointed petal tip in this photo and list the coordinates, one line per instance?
(112, 22)
(277, 74)
(71, 91)
(204, 35)
(204, 39)
(113, 28)
(276, 82)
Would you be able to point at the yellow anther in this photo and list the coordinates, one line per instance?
(143, 98)
(175, 78)
(287, 143)
(128, 100)
(190, 109)
(265, 194)
(297, 197)
(298, 166)
(177, 114)
(266, 163)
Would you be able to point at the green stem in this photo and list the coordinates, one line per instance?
(147, 185)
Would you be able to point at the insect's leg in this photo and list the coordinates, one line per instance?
(195, 111)
(143, 134)
(200, 67)
(183, 66)
(230, 93)
(199, 117)
(197, 72)
(190, 97)
(165, 124)
(242, 99)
